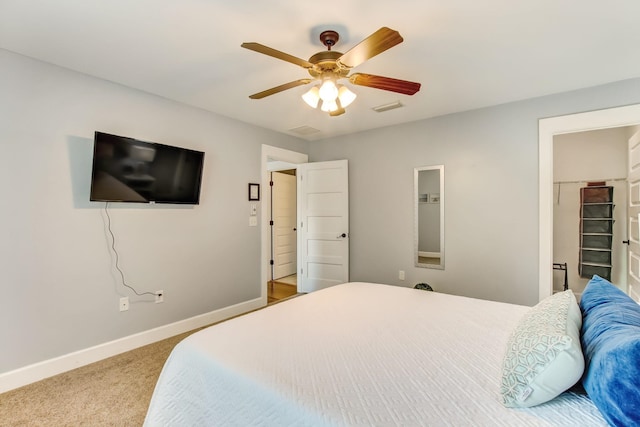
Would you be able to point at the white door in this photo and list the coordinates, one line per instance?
(284, 224)
(323, 225)
(633, 210)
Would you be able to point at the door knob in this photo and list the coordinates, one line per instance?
(295, 229)
(626, 242)
(343, 235)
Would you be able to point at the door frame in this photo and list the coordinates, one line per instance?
(547, 128)
(269, 154)
(631, 217)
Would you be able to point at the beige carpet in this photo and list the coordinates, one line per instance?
(112, 392)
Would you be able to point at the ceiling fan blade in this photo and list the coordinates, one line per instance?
(383, 39)
(280, 88)
(260, 48)
(385, 83)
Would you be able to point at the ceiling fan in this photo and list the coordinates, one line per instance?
(329, 66)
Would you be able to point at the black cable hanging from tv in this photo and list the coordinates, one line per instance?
(117, 260)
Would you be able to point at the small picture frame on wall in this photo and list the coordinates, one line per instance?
(434, 198)
(254, 192)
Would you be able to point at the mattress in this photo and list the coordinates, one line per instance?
(357, 354)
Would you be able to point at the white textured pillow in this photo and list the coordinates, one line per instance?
(543, 356)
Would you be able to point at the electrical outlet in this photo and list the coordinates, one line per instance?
(124, 303)
(159, 297)
(401, 274)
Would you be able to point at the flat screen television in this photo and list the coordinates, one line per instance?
(129, 170)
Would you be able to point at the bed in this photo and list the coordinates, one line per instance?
(357, 354)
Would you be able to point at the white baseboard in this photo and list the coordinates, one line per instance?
(48, 368)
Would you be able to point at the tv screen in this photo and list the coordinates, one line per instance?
(129, 170)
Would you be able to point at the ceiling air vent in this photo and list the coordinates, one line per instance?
(304, 130)
(387, 107)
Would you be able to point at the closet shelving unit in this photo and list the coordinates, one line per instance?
(596, 231)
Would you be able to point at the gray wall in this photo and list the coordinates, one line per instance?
(491, 185)
(59, 290)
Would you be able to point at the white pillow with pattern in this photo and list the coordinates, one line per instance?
(543, 356)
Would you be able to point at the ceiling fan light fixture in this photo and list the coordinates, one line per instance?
(312, 97)
(346, 96)
(328, 91)
(329, 106)
(340, 101)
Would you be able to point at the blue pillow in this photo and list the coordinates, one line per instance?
(610, 339)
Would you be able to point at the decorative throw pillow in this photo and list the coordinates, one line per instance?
(611, 345)
(543, 356)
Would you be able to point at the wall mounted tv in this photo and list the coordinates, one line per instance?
(129, 170)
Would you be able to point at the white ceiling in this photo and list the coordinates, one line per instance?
(466, 53)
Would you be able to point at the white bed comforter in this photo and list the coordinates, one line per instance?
(358, 354)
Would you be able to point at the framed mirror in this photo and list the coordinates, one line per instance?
(428, 191)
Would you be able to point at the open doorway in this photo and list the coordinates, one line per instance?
(547, 129)
(284, 246)
(583, 240)
(323, 220)
(273, 159)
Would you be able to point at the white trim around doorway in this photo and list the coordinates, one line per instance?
(271, 154)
